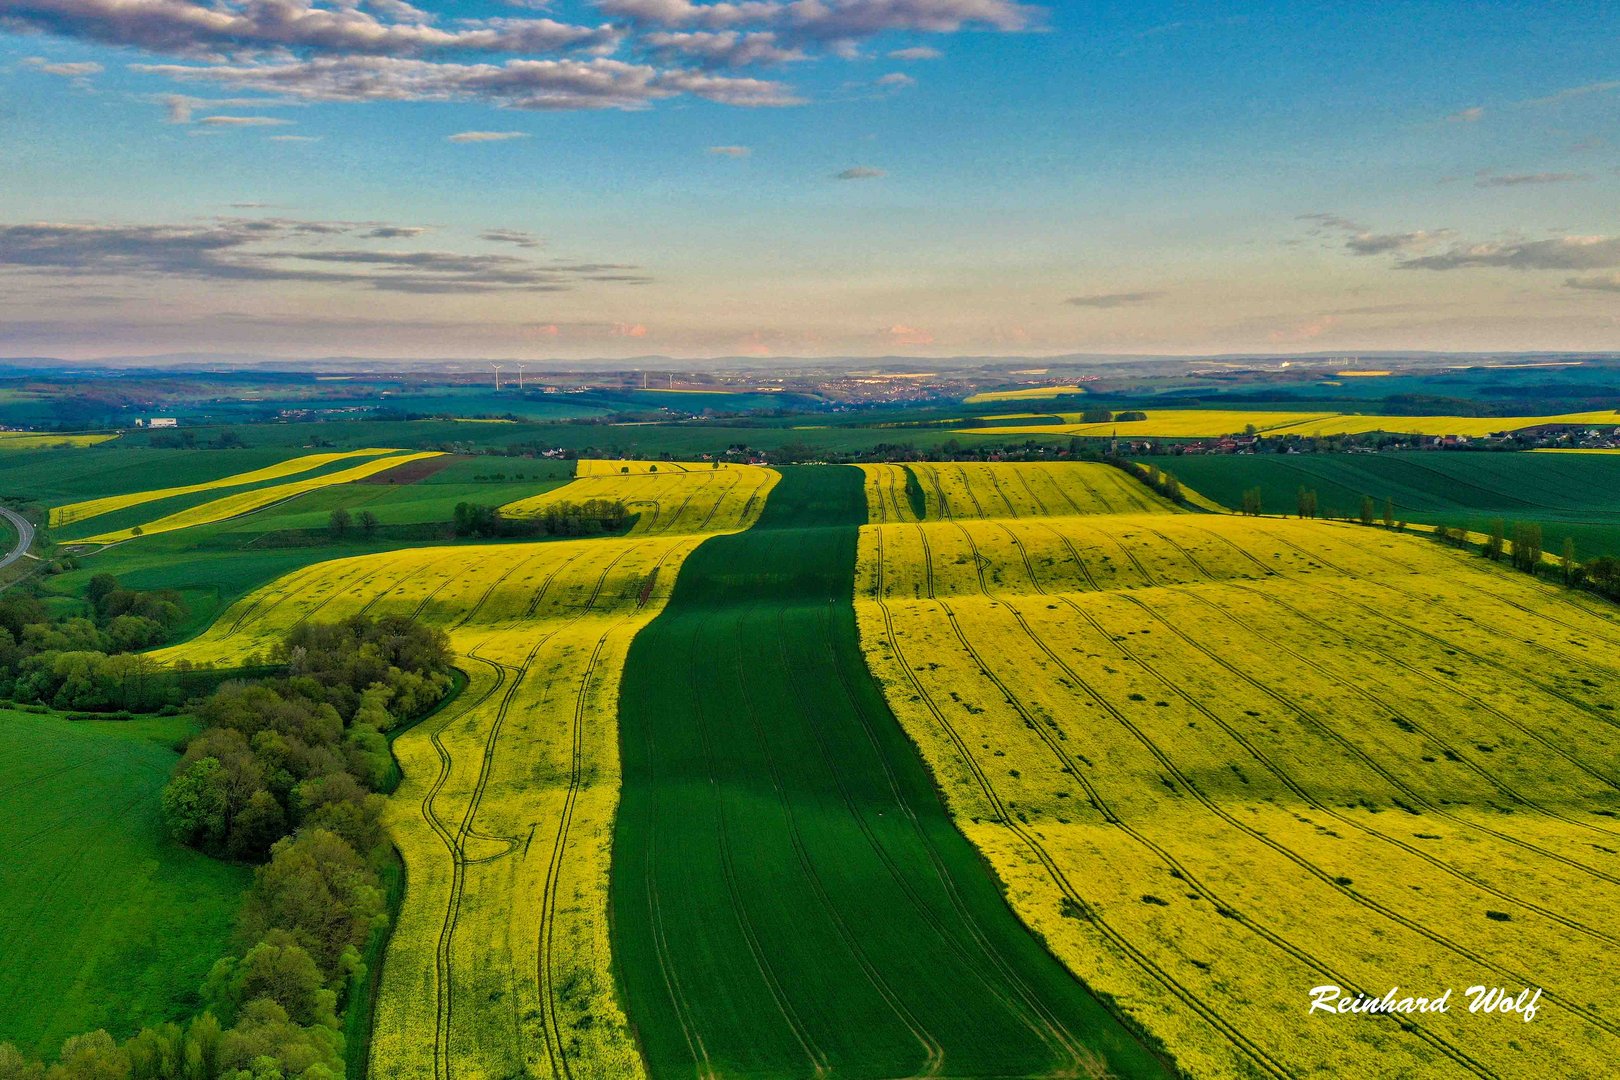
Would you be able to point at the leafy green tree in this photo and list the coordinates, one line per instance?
(195, 805)
(1389, 513)
(92, 1056)
(368, 523)
(316, 887)
(15, 1066)
(1367, 511)
(1567, 561)
(1496, 541)
(338, 522)
(256, 827)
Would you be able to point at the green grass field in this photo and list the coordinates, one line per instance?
(789, 896)
(104, 921)
(1576, 495)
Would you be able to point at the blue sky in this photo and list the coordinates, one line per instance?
(805, 177)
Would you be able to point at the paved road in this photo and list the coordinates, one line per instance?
(25, 536)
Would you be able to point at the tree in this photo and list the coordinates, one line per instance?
(1096, 416)
(14, 1066)
(1307, 503)
(1366, 510)
(338, 523)
(93, 1056)
(1251, 502)
(368, 523)
(1568, 560)
(1389, 513)
(279, 969)
(1527, 547)
(195, 804)
(1495, 542)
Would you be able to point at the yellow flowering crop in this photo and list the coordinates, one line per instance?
(89, 508)
(500, 960)
(668, 497)
(245, 502)
(1219, 761)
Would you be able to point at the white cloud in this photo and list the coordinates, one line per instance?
(244, 121)
(485, 136)
(79, 70)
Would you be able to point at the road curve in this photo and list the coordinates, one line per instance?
(25, 536)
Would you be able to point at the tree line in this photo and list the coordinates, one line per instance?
(591, 517)
(87, 660)
(286, 773)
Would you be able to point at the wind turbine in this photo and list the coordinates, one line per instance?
(520, 378)
(497, 368)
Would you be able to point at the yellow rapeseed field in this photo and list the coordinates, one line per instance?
(1211, 423)
(968, 489)
(245, 502)
(1033, 393)
(500, 964)
(89, 508)
(1219, 761)
(29, 440)
(668, 497)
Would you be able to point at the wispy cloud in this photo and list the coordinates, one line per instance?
(1596, 283)
(1471, 115)
(1112, 300)
(730, 151)
(1576, 92)
(839, 21)
(485, 136)
(1361, 239)
(916, 52)
(1560, 253)
(80, 70)
(283, 250)
(910, 336)
(1493, 180)
(520, 84)
(181, 28)
(244, 121)
(512, 236)
(724, 48)
(860, 172)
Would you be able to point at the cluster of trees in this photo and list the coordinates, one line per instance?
(1369, 512)
(1305, 503)
(286, 773)
(1104, 416)
(186, 439)
(588, 518)
(306, 750)
(86, 660)
(341, 523)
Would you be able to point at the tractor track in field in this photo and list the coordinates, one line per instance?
(1301, 955)
(1041, 1020)
(1322, 727)
(934, 1052)
(1498, 667)
(1298, 788)
(816, 1056)
(1405, 718)
(1251, 1050)
(456, 841)
(544, 963)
